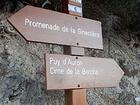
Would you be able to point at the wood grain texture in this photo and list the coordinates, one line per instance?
(75, 97)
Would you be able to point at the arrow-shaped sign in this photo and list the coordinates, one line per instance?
(69, 72)
(42, 25)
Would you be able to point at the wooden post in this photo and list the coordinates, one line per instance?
(75, 96)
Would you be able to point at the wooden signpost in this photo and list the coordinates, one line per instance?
(71, 71)
(74, 97)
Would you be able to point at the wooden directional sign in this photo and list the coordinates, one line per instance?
(42, 25)
(69, 72)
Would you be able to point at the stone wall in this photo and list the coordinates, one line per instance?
(22, 63)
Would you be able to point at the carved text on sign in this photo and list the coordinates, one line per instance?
(55, 27)
(57, 70)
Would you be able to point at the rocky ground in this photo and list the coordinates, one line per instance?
(22, 63)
